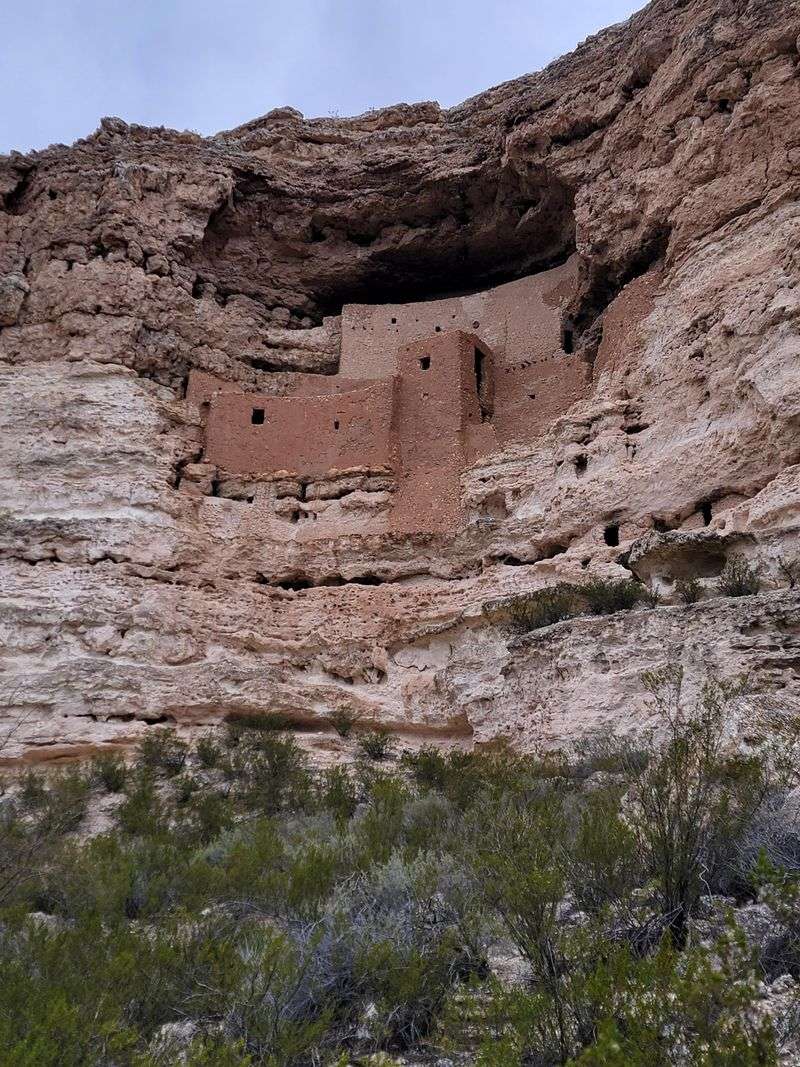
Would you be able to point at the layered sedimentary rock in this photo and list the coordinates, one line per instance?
(617, 234)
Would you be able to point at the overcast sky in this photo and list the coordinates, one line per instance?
(194, 64)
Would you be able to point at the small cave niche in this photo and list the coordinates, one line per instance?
(611, 534)
(581, 463)
(336, 424)
(425, 363)
(567, 338)
(552, 550)
(704, 510)
(257, 416)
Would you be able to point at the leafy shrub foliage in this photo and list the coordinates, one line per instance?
(343, 720)
(378, 744)
(738, 578)
(598, 596)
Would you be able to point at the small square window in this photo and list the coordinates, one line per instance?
(336, 424)
(425, 362)
(257, 418)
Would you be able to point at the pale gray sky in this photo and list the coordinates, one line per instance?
(194, 64)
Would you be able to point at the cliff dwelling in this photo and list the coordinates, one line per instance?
(422, 390)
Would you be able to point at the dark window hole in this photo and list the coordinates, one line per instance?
(567, 340)
(581, 463)
(257, 417)
(425, 362)
(611, 534)
(705, 510)
(336, 424)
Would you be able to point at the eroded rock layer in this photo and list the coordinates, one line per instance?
(618, 233)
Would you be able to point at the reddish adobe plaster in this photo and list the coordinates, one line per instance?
(423, 390)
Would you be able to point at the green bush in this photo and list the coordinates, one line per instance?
(293, 916)
(598, 596)
(162, 750)
(738, 578)
(689, 590)
(208, 752)
(378, 744)
(269, 721)
(111, 773)
(343, 720)
(607, 596)
(544, 607)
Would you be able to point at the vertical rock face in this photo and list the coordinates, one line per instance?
(619, 233)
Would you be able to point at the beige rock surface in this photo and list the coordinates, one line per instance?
(665, 151)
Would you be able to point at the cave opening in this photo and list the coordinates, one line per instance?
(460, 235)
(611, 534)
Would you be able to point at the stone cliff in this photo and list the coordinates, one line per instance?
(619, 234)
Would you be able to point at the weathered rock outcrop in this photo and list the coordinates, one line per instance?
(139, 585)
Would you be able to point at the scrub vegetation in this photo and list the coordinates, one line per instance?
(226, 904)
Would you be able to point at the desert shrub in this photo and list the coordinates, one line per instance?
(413, 930)
(338, 792)
(162, 750)
(689, 590)
(378, 744)
(208, 752)
(543, 608)
(274, 774)
(738, 578)
(343, 720)
(286, 914)
(598, 596)
(110, 772)
(621, 1010)
(66, 800)
(142, 811)
(789, 568)
(605, 596)
(692, 801)
(651, 598)
(269, 721)
(32, 790)
(602, 864)
(517, 851)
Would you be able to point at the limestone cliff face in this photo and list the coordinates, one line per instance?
(142, 584)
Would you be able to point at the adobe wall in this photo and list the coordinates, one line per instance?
(520, 321)
(308, 435)
(438, 429)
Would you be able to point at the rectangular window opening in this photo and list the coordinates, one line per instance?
(257, 418)
(425, 362)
